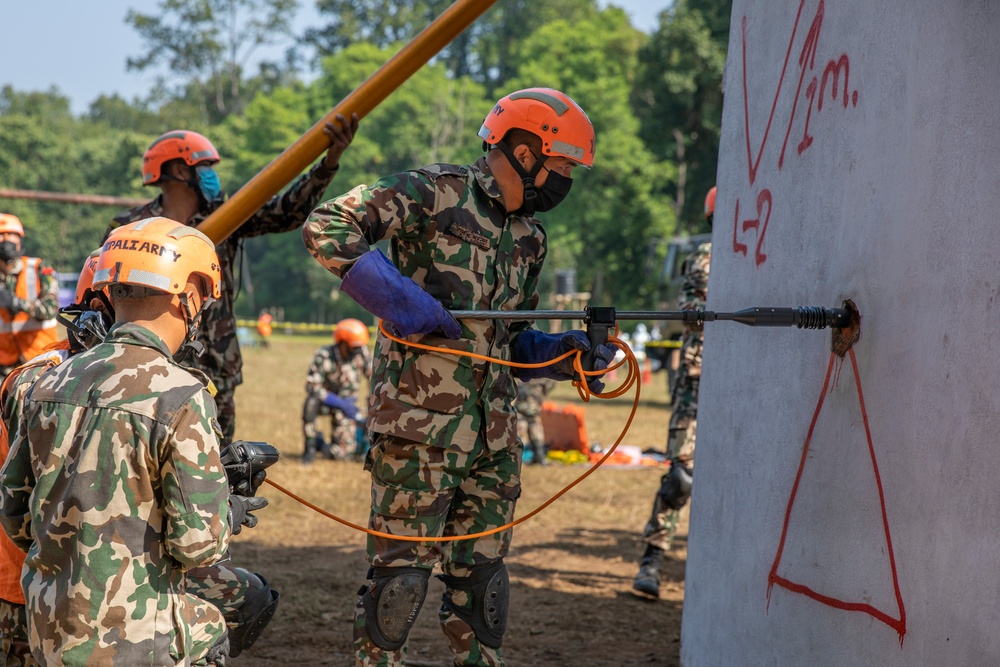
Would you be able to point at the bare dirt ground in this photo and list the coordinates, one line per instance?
(571, 568)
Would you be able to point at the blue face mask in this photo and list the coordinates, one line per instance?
(208, 182)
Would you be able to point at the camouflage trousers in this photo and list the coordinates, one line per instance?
(226, 587)
(14, 647)
(225, 402)
(183, 636)
(530, 430)
(419, 489)
(684, 402)
(662, 525)
(683, 428)
(343, 439)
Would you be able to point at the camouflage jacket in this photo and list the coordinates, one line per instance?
(531, 395)
(222, 361)
(114, 487)
(46, 305)
(449, 232)
(329, 373)
(694, 284)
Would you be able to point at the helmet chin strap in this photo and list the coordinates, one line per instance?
(191, 346)
(527, 178)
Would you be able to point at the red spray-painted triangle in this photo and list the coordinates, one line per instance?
(896, 623)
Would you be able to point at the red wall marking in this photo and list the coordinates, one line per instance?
(815, 93)
(773, 578)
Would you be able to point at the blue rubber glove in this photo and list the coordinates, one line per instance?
(345, 405)
(378, 286)
(533, 346)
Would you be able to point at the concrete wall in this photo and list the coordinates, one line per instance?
(888, 196)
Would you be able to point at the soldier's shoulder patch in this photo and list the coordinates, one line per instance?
(217, 428)
(212, 389)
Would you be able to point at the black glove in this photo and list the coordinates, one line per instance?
(240, 511)
(6, 300)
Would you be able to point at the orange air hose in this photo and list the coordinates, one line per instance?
(585, 393)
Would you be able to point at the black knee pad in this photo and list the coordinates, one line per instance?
(489, 587)
(252, 618)
(310, 409)
(675, 486)
(392, 602)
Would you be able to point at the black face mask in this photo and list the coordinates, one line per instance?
(554, 190)
(9, 251)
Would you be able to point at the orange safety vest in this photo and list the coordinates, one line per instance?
(12, 558)
(21, 336)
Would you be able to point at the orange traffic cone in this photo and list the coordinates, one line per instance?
(647, 371)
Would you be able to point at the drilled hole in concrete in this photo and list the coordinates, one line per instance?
(844, 339)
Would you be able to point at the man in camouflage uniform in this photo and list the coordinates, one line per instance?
(445, 458)
(29, 299)
(180, 163)
(675, 486)
(125, 413)
(332, 385)
(530, 396)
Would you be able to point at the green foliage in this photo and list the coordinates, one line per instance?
(610, 226)
(655, 101)
(678, 97)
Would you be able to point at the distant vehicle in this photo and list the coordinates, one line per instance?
(67, 288)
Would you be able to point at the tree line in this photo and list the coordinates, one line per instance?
(655, 101)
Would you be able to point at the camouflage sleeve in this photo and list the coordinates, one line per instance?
(531, 290)
(195, 490)
(46, 305)
(343, 229)
(288, 210)
(314, 378)
(17, 480)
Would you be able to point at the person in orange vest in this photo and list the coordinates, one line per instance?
(29, 299)
(264, 328)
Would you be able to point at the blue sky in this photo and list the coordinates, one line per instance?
(80, 46)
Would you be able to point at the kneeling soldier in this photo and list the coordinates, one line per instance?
(114, 485)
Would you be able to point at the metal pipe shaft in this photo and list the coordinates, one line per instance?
(804, 317)
(237, 210)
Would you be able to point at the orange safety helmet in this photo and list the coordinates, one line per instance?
(11, 224)
(351, 331)
(710, 203)
(185, 145)
(160, 254)
(86, 280)
(557, 120)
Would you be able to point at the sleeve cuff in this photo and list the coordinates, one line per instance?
(321, 171)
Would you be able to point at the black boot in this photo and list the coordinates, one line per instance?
(309, 455)
(540, 454)
(647, 582)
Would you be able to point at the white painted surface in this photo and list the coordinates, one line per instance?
(895, 205)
